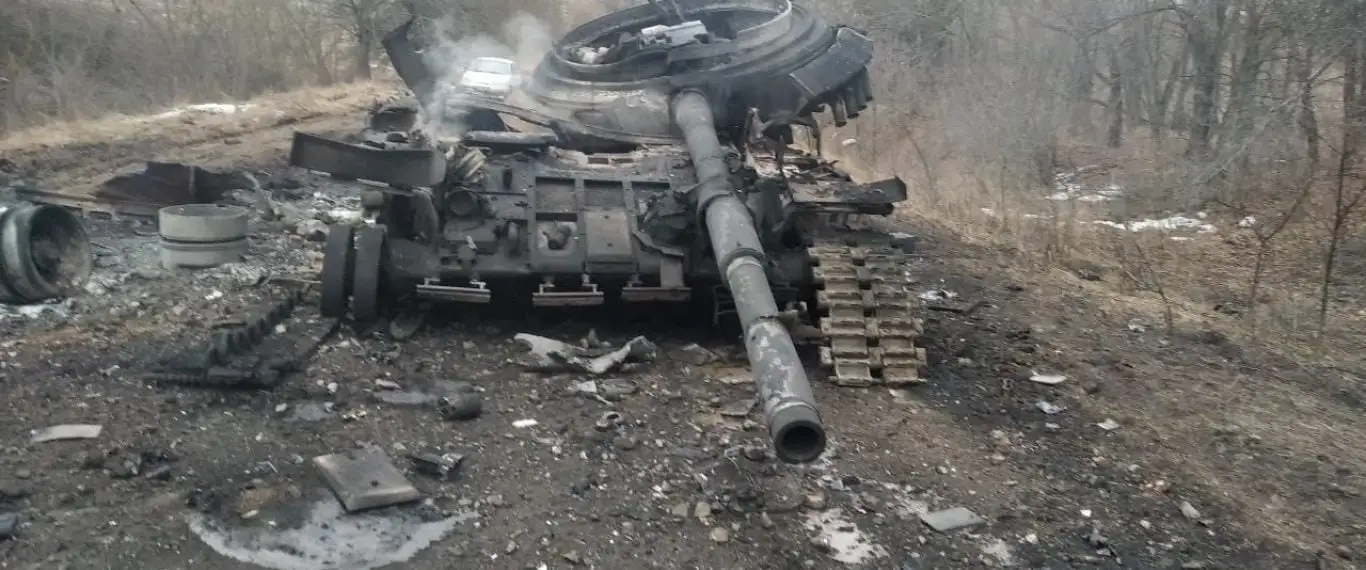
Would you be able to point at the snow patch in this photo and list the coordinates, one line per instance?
(1172, 223)
(1067, 188)
(846, 542)
(204, 108)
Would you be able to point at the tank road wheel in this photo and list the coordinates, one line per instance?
(339, 263)
(368, 276)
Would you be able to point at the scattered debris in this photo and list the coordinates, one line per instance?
(159, 185)
(951, 519)
(202, 235)
(1108, 425)
(440, 466)
(365, 479)
(938, 295)
(695, 355)
(66, 432)
(1049, 407)
(45, 254)
(461, 407)
(1048, 379)
(550, 354)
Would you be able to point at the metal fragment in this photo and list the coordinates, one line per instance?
(365, 479)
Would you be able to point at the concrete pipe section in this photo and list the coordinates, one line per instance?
(45, 253)
(202, 235)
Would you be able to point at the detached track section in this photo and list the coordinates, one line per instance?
(869, 312)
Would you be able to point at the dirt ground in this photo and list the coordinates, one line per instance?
(1159, 449)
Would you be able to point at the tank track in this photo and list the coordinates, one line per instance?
(870, 324)
(228, 360)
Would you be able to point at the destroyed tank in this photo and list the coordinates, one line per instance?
(651, 157)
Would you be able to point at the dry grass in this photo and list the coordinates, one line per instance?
(191, 125)
(74, 157)
(1259, 369)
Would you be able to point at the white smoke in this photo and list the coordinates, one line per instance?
(525, 39)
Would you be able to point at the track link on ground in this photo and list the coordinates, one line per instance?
(234, 358)
(870, 314)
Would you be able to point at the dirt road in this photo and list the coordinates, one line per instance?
(1156, 450)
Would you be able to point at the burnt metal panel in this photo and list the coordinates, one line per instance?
(607, 241)
(836, 66)
(396, 167)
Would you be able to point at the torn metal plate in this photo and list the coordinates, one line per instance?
(365, 479)
(406, 168)
(69, 431)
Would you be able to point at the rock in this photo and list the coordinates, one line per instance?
(9, 525)
(573, 557)
(702, 510)
(1189, 511)
(679, 511)
(720, 534)
(766, 521)
(815, 501)
(461, 407)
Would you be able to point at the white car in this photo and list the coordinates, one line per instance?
(491, 77)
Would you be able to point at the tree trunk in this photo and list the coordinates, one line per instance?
(1115, 137)
(365, 45)
(1308, 118)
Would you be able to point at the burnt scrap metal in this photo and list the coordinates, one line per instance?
(228, 357)
(659, 165)
(142, 194)
(401, 167)
(775, 56)
(45, 253)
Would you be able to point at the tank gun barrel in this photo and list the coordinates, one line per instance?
(794, 424)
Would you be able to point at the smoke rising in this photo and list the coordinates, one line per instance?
(524, 40)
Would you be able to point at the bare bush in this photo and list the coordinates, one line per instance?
(1243, 116)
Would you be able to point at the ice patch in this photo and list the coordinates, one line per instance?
(846, 542)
